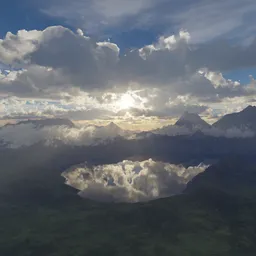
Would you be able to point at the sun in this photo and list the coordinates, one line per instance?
(126, 101)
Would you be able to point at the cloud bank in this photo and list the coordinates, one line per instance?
(130, 181)
(15, 136)
(23, 135)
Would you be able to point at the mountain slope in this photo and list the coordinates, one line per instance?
(234, 175)
(246, 119)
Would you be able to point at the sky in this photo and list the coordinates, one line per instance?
(139, 63)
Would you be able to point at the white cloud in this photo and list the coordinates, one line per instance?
(78, 59)
(80, 32)
(218, 80)
(130, 181)
(13, 48)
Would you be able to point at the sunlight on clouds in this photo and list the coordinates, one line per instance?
(126, 102)
(95, 80)
(130, 99)
(135, 124)
(130, 181)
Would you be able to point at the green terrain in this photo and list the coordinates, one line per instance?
(40, 218)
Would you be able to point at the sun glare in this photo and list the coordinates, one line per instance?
(126, 102)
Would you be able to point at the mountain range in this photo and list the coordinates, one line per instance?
(215, 214)
(246, 119)
(241, 120)
(236, 125)
(233, 124)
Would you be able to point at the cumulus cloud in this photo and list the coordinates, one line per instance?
(173, 61)
(60, 64)
(74, 58)
(181, 56)
(87, 62)
(180, 67)
(14, 48)
(35, 82)
(130, 181)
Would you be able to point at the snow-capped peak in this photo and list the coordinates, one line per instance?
(192, 120)
(112, 125)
